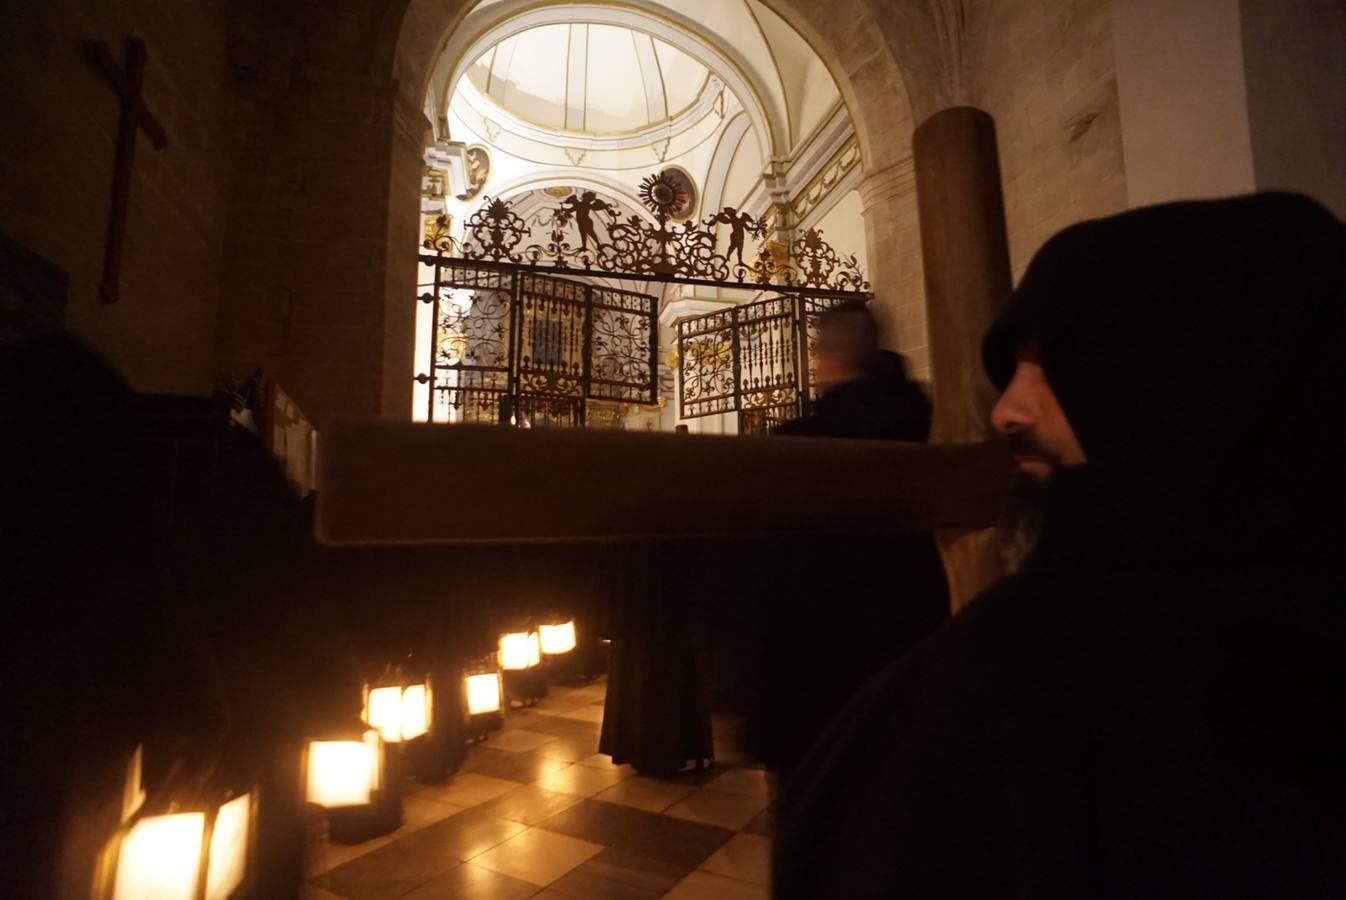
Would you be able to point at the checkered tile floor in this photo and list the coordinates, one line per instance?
(537, 812)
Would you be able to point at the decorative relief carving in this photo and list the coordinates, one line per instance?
(825, 181)
(477, 159)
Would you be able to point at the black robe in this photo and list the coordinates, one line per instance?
(1156, 706)
(836, 608)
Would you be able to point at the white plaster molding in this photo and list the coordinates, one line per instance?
(486, 107)
(717, 173)
(849, 182)
(823, 187)
(447, 156)
(686, 307)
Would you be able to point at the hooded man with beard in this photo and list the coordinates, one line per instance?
(1154, 704)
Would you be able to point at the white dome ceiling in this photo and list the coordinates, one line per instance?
(588, 79)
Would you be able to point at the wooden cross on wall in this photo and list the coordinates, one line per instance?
(126, 83)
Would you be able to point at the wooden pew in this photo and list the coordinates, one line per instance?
(397, 483)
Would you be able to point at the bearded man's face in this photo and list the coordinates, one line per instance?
(1030, 415)
(1043, 441)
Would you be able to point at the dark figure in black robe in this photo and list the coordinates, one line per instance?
(840, 607)
(1155, 705)
(884, 405)
(656, 715)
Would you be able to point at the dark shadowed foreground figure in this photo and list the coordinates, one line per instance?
(838, 608)
(1155, 706)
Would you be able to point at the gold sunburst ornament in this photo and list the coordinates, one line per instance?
(662, 195)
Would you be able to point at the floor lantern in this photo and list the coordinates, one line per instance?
(570, 650)
(521, 660)
(194, 844)
(484, 698)
(347, 774)
(557, 638)
(399, 706)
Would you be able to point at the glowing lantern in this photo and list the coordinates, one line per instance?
(520, 651)
(399, 708)
(188, 852)
(344, 772)
(557, 639)
(521, 659)
(484, 689)
(354, 779)
(483, 693)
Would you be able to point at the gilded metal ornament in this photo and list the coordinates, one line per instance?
(589, 235)
(515, 344)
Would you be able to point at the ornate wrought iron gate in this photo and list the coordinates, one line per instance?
(752, 359)
(512, 346)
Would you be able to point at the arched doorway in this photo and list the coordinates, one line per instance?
(734, 97)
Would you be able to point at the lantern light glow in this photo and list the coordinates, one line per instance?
(160, 858)
(399, 713)
(520, 650)
(228, 862)
(344, 773)
(483, 693)
(558, 639)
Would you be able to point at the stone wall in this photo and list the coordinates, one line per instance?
(1046, 73)
(321, 263)
(1295, 55)
(58, 127)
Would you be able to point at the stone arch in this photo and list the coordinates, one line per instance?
(886, 60)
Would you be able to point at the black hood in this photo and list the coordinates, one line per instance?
(1198, 350)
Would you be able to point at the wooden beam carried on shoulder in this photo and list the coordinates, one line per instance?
(383, 482)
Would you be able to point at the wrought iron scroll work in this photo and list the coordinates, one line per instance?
(752, 359)
(585, 233)
(519, 347)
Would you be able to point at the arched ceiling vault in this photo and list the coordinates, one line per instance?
(502, 20)
(851, 37)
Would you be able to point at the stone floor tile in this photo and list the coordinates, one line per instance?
(748, 782)
(538, 856)
(582, 780)
(523, 768)
(618, 874)
(565, 727)
(764, 824)
(593, 712)
(419, 810)
(313, 892)
(681, 843)
(570, 750)
(323, 857)
(732, 811)
(648, 794)
(694, 777)
(530, 804)
(468, 789)
(603, 761)
(707, 886)
(518, 740)
(469, 882)
(746, 857)
(398, 867)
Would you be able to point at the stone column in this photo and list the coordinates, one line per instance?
(965, 250)
(893, 248)
(411, 135)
